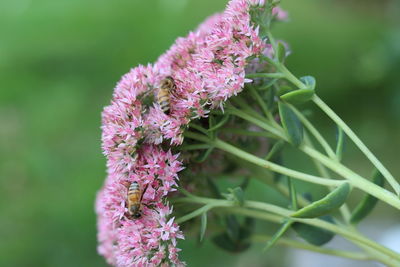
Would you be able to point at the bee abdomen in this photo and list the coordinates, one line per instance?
(164, 106)
(133, 196)
(163, 100)
(134, 186)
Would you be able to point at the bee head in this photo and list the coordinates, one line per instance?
(168, 82)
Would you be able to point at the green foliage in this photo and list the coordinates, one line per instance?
(281, 53)
(236, 195)
(236, 238)
(222, 122)
(309, 81)
(314, 235)
(326, 205)
(291, 124)
(275, 150)
(340, 141)
(278, 234)
(203, 225)
(299, 96)
(367, 204)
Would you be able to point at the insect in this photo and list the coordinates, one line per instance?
(164, 93)
(135, 196)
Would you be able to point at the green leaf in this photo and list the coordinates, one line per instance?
(340, 143)
(276, 149)
(203, 225)
(245, 183)
(298, 96)
(284, 89)
(232, 227)
(281, 53)
(309, 81)
(238, 195)
(291, 124)
(223, 241)
(329, 203)
(314, 235)
(238, 239)
(278, 176)
(367, 204)
(282, 230)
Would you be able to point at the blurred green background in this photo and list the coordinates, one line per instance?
(59, 62)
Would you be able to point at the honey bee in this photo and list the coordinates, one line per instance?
(135, 196)
(164, 93)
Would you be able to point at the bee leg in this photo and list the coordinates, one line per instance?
(144, 191)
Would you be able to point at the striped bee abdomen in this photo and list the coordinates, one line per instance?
(163, 100)
(134, 198)
(164, 94)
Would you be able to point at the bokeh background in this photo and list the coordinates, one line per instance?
(59, 62)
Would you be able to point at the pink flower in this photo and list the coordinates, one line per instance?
(280, 13)
(208, 67)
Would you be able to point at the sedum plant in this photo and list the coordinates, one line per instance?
(220, 103)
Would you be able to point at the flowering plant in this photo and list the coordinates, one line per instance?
(232, 99)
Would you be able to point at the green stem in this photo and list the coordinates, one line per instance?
(300, 245)
(257, 210)
(354, 179)
(350, 235)
(292, 194)
(389, 177)
(196, 213)
(262, 104)
(263, 163)
(265, 177)
(340, 144)
(328, 111)
(273, 43)
(344, 209)
(264, 125)
(244, 106)
(195, 147)
(290, 77)
(278, 235)
(247, 132)
(321, 140)
(198, 128)
(265, 75)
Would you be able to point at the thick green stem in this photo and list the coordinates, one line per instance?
(354, 179)
(344, 209)
(247, 132)
(257, 210)
(389, 177)
(268, 127)
(264, 163)
(328, 111)
(321, 140)
(300, 245)
(265, 75)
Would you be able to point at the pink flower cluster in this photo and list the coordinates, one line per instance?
(208, 67)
